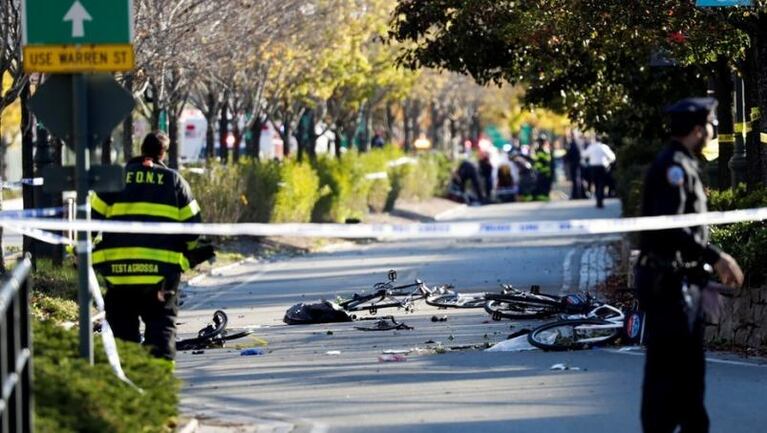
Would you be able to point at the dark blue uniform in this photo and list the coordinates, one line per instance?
(668, 277)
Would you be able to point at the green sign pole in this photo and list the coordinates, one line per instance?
(82, 163)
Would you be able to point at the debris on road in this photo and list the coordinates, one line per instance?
(321, 312)
(516, 344)
(515, 334)
(253, 351)
(387, 323)
(397, 352)
(563, 367)
(392, 358)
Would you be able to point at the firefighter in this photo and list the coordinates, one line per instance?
(142, 272)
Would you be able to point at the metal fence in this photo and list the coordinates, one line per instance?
(16, 351)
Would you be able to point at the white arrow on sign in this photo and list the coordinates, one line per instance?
(77, 14)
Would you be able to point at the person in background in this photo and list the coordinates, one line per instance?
(486, 173)
(600, 157)
(573, 165)
(377, 142)
(543, 164)
(467, 173)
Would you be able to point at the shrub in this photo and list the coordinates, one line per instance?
(747, 242)
(346, 192)
(74, 397)
(298, 192)
(426, 178)
(262, 181)
(339, 198)
(633, 158)
(378, 195)
(219, 190)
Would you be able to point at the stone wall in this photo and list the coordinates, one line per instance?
(744, 320)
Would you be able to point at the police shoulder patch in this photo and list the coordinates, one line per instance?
(675, 175)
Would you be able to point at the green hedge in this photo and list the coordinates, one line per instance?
(428, 177)
(71, 396)
(747, 242)
(74, 397)
(297, 193)
(346, 192)
(328, 190)
(220, 191)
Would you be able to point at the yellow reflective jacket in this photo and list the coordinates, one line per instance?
(153, 193)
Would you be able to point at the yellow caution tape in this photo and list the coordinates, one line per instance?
(711, 150)
(743, 128)
(726, 138)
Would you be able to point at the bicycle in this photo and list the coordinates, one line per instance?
(386, 295)
(445, 297)
(516, 304)
(213, 335)
(602, 325)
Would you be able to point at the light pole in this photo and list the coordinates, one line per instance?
(738, 163)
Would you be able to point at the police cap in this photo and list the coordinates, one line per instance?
(692, 106)
(687, 113)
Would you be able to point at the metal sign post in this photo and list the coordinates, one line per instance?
(77, 37)
(82, 164)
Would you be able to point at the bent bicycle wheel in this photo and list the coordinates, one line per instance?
(233, 334)
(517, 311)
(574, 334)
(371, 303)
(455, 300)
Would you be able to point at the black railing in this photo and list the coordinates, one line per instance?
(16, 351)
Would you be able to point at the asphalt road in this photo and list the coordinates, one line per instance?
(298, 386)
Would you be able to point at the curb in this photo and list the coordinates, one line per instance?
(190, 427)
(423, 218)
(448, 213)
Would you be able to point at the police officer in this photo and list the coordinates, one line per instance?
(670, 275)
(142, 272)
(544, 167)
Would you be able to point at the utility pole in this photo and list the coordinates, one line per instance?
(738, 163)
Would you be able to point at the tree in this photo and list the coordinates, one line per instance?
(12, 78)
(587, 58)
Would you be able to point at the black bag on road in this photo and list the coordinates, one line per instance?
(322, 312)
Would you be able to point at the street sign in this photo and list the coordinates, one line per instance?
(78, 58)
(77, 22)
(78, 35)
(108, 102)
(722, 3)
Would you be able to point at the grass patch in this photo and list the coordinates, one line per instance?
(74, 397)
(54, 291)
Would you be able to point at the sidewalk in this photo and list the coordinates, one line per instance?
(431, 210)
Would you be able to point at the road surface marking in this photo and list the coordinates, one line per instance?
(567, 275)
(711, 360)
